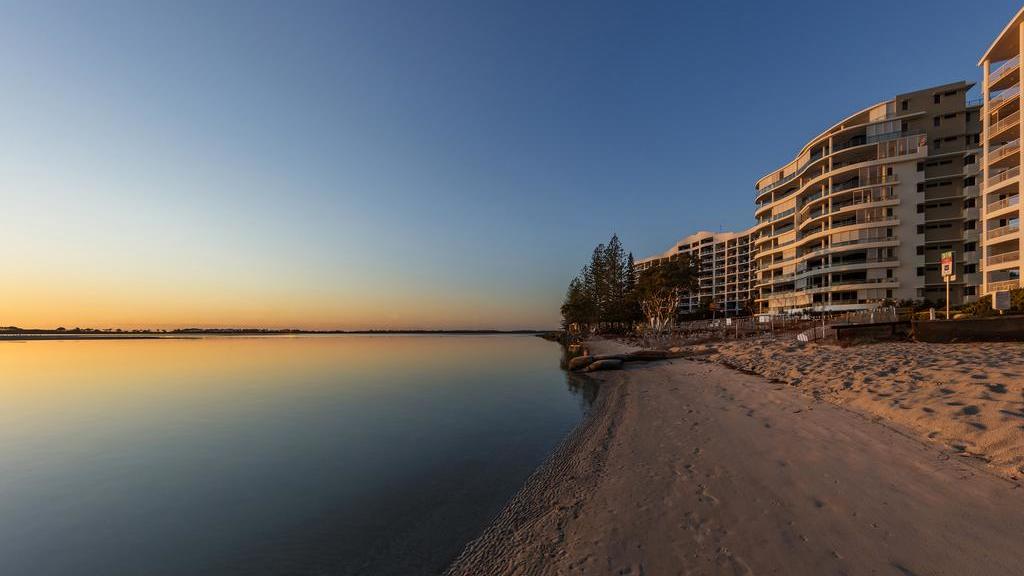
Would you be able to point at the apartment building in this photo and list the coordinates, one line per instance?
(864, 211)
(1000, 206)
(726, 270)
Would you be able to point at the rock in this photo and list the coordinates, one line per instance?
(580, 362)
(675, 349)
(608, 364)
(646, 355)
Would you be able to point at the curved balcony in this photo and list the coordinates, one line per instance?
(849, 207)
(890, 146)
(842, 267)
(848, 245)
(847, 285)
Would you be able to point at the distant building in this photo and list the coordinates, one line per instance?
(726, 270)
(1001, 142)
(864, 211)
(860, 216)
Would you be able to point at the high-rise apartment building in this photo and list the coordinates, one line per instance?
(863, 212)
(1002, 158)
(726, 270)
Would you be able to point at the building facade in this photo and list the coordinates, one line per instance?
(864, 211)
(1001, 162)
(726, 270)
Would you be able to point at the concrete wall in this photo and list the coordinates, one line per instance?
(1001, 328)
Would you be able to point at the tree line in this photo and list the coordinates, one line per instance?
(608, 295)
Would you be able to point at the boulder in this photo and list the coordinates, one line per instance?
(608, 364)
(646, 355)
(580, 362)
(611, 357)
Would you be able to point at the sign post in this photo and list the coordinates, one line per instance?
(947, 275)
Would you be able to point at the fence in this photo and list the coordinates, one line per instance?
(801, 328)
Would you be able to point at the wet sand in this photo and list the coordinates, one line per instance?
(693, 468)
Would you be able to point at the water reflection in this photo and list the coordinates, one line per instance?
(341, 455)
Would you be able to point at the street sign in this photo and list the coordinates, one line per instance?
(947, 275)
(947, 264)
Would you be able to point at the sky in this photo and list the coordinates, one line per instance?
(387, 164)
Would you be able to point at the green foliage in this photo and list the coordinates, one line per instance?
(678, 273)
(981, 307)
(1017, 300)
(603, 293)
(661, 288)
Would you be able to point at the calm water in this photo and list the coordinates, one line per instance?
(309, 455)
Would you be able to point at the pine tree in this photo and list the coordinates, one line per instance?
(604, 293)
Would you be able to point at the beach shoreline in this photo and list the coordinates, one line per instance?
(552, 494)
(693, 467)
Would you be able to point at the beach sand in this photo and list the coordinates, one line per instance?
(690, 467)
(969, 397)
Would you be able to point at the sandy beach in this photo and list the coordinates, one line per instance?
(689, 467)
(968, 397)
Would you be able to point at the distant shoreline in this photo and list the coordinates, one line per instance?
(34, 334)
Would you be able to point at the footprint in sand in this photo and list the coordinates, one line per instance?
(704, 496)
(734, 564)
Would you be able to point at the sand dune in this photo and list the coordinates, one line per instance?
(969, 397)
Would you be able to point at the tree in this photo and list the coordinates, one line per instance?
(577, 307)
(614, 261)
(603, 294)
(661, 289)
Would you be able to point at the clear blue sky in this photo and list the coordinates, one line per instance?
(409, 164)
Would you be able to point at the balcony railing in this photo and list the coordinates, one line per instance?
(1005, 202)
(1001, 152)
(1003, 95)
(1004, 257)
(1004, 69)
(1005, 123)
(1003, 176)
(836, 265)
(1003, 285)
(892, 144)
(1002, 231)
